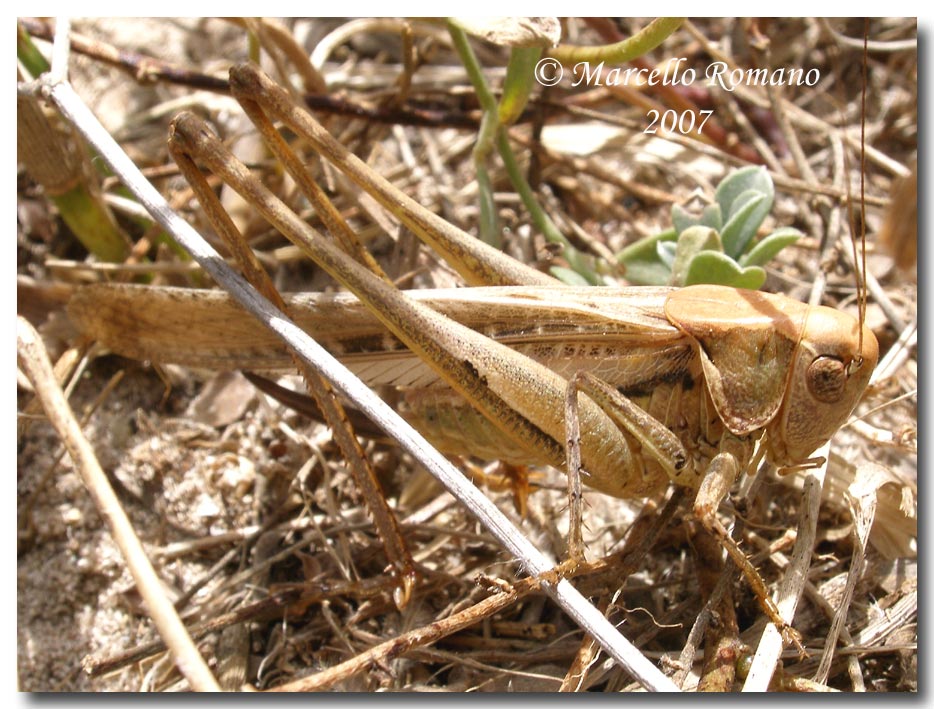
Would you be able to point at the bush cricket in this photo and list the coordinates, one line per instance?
(678, 386)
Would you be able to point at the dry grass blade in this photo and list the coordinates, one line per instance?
(789, 592)
(34, 360)
(863, 500)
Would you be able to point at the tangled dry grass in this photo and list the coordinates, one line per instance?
(245, 507)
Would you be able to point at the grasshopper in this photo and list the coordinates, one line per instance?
(757, 359)
(677, 385)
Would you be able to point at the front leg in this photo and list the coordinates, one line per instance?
(658, 446)
(719, 478)
(654, 445)
(655, 456)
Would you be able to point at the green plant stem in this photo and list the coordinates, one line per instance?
(29, 54)
(520, 80)
(87, 217)
(472, 66)
(490, 128)
(640, 43)
(90, 221)
(490, 229)
(578, 261)
(57, 161)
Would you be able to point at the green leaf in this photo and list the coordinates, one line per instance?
(490, 231)
(29, 54)
(642, 263)
(766, 250)
(644, 249)
(712, 217)
(568, 276)
(666, 251)
(682, 219)
(750, 209)
(520, 80)
(82, 209)
(646, 273)
(582, 264)
(713, 267)
(691, 242)
(748, 178)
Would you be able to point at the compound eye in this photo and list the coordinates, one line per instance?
(826, 379)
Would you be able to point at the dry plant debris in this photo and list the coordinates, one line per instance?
(245, 507)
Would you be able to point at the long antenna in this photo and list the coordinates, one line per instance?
(862, 179)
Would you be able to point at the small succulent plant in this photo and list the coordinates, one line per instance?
(718, 246)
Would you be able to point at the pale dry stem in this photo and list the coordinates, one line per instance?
(34, 360)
